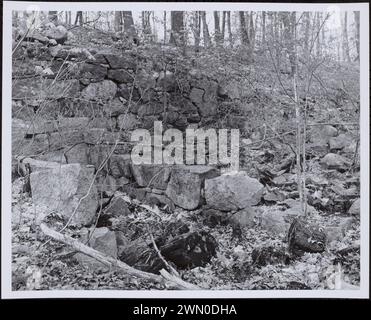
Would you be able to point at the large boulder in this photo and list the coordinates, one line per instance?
(66, 191)
(185, 184)
(104, 90)
(233, 192)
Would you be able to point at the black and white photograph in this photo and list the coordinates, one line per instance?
(185, 150)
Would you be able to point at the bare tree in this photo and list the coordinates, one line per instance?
(165, 26)
(79, 18)
(306, 17)
(289, 27)
(218, 33)
(53, 16)
(318, 40)
(118, 21)
(223, 25)
(356, 38)
(129, 28)
(205, 29)
(229, 28)
(263, 27)
(344, 34)
(243, 29)
(146, 22)
(177, 28)
(251, 30)
(196, 29)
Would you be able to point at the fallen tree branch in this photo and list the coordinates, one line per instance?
(112, 263)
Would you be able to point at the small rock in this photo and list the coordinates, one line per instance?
(117, 207)
(335, 161)
(337, 232)
(120, 165)
(104, 90)
(243, 218)
(127, 121)
(355, 208)
(212, 217)
(340, 142)
(134, 192)
(274, 222)
(270, 255)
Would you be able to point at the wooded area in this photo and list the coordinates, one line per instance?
(85, 216)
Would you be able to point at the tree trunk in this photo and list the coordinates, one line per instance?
(217, 28)
(251, 32)
(318, 33)
(78, 19)
(53, 17)
(263, 27)
(223, 25)
(196, 29)
(229, 29)
(118, 21)
(128, 20)
(165, 26)
(129, 27)
(357, 36)
(288, 37)
(345, 42)
(306, 34)
(205, 30)
(243, 30)
(276, 37)
(177, 35)
(146, 24)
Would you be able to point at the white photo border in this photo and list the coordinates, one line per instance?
(6, 288)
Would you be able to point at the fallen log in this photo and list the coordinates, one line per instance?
(165, 278)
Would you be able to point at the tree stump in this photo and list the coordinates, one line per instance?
(305, 237)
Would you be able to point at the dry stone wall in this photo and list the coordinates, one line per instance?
(72, 120)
